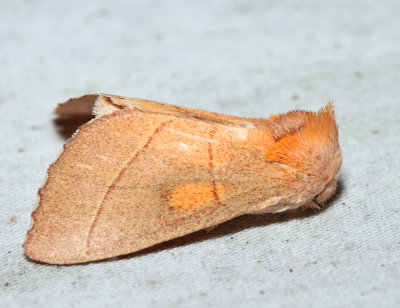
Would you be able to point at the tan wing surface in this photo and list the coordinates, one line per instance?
(134, 177)
(101, 104)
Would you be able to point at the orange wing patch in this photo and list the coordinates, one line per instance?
(188, 197)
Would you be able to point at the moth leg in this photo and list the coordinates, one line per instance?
(209, 229)
(312, 205)
(262, 211)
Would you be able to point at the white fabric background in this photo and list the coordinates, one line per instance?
(247, 58)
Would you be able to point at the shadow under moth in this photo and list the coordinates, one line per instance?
(142, 172)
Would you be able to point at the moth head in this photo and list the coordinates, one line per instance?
(331, 177)
(325, 159)
(307, 143)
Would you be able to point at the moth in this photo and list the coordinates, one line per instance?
(143, 172)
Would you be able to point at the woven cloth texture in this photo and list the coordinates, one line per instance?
(245, 58)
